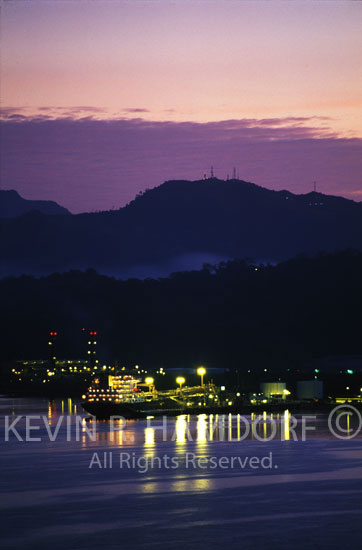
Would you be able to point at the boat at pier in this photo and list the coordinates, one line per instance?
(127, 396)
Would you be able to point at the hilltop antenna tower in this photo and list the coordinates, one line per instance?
(212, 172)
(234, 173)
(315, 186)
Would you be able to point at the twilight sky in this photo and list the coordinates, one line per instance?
(102, 99)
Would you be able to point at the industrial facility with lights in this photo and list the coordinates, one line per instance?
(134, 391)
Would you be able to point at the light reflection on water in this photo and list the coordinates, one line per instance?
(202, 429)
(59, 500)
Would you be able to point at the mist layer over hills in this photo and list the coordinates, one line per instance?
(182, 221)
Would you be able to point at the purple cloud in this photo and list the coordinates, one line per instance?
(136, 110)
(87, 164)
(50, 112)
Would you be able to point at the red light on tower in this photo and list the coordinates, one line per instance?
(91, 350)
(52, 343)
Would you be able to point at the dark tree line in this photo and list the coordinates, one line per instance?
(231, 315)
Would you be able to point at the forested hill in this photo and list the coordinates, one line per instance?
(13, 205)
(234, 315)
(225, 219)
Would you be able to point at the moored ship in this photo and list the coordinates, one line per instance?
(127, 396)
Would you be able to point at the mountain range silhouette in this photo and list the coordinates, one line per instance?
(190, 221)
(13, 205)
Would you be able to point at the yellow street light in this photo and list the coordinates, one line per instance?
(201, 371)
(149, 381)
(180, 380)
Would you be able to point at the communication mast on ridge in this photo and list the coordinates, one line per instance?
(212, 172)
(315, 186)
(234, 173)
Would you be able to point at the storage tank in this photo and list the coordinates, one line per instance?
(310, 389)
(273, 388)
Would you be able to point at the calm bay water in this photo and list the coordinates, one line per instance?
(309, 494)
